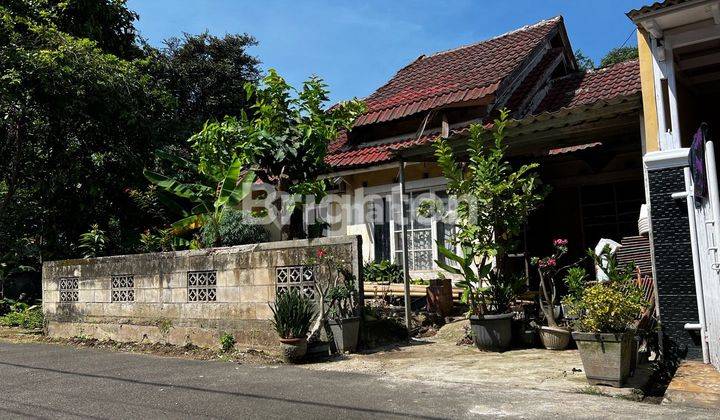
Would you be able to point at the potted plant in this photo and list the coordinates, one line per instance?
(293, 313)
(344, 319)
(382, 272)
(553, 335)
(494, 201)
(489, 294)
(603, 330)
(338, 301)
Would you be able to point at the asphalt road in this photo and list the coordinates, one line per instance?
(52, 381)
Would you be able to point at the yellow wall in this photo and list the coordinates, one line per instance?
(647, 79)
(389, 176)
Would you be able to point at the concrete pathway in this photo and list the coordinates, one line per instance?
(50, 381)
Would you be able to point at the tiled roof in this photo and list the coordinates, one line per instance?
(622, 79)
(459, 75)
(653, 7)
(373, 154)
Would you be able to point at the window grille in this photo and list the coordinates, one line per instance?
(297, 277)
(202, 286)
(122, 288)
(68, 289)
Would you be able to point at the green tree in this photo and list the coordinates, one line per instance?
(207, 75)
(618, 55)
(285, 138)
(494, 203)
(584, 62)
(76, 122)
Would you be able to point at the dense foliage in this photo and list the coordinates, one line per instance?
(618, 55)
(83, 105)
(383, 272)
(233, 229)
(610, 306)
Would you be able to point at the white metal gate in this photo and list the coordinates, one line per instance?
(706, 238)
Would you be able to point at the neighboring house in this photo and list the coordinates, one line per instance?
(584, 128)
(679, 47)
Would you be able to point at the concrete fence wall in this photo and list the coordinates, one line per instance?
(185, 297)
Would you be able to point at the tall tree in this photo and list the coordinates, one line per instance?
(76, 122)
(584, 62)
(618, 55)
(207, 74)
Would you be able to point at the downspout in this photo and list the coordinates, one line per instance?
(697, 272)
(406, 267)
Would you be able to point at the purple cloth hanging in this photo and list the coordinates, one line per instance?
(697, 163)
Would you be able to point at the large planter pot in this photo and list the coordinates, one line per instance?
(345, 333)
(606, 357)
(554, 338)
(293, 349)
(492, 332)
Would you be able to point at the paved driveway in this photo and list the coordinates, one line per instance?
(51, 381)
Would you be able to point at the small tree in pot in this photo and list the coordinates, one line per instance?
(293, 313)
(553, 336)
(495, 201)
(603, 331)
(337, 298)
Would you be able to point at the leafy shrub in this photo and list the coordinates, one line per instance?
(23, 316)
(383, 272)
(93, 243)
(227, 342)
(609, 307)
(159, 241)
(231, 230)
(293, 313)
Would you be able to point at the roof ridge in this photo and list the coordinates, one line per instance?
(554, 19)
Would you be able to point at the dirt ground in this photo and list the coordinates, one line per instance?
(241, 356)
(440, 359)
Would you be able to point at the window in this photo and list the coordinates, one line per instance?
(419, 232)
(610, 210)
(122, 288)
(68, 289)
(202, 286)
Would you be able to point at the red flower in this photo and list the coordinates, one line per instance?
(321, 253)
(551, 262)
(560, 242)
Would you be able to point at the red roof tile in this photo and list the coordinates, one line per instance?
(622, 79)
(462, 74)
(635, 13)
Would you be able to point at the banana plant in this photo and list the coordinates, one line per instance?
(226, 190)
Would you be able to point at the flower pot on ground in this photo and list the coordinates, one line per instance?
(554, 338)
(490, 314)
(293, 313)
(337, 293)
(603, 335)
(492, 332)
(345, 333)
(606, 357)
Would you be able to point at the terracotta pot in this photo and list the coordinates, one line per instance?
(293, 349)
(492, 332)
(606, 357)
(554, 338)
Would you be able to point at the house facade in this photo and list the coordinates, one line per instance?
(679, 47)
(584, 128)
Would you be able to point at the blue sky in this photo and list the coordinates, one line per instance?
(356, 46)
